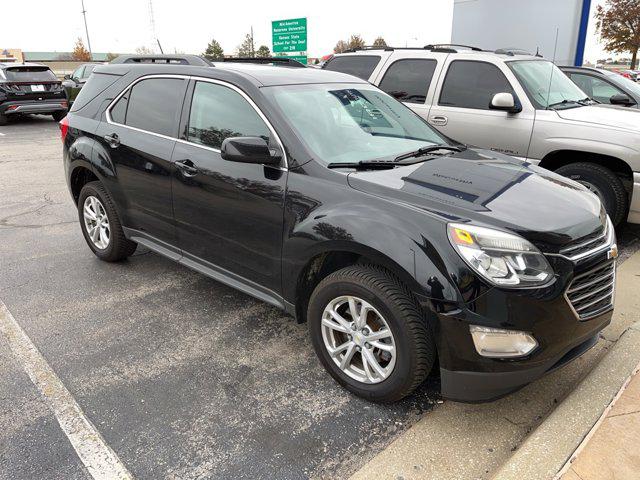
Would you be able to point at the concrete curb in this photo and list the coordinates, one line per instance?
(546, 451)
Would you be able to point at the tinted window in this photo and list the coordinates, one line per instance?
(409, 80)
(119, 111)
(30, 74)
(87, 71)
(361, 65)
(218, 112)
(595, 87)
(470, 84)
(154, 104)
(94, 87)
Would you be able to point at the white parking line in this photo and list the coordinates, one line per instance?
(2, 134)
(97, 456)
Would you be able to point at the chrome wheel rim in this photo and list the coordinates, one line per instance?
(358, 339)
(96, 222)
(592, 188)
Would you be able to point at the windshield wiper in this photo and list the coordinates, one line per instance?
(373, 164)
(426, 150)
(565, 102)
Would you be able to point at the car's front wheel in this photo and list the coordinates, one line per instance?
(604, 183)
(101, 225)
(369, 334)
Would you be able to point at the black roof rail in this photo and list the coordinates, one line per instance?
(450, 47)
(386, 48)
(281, 61)
(177, 59)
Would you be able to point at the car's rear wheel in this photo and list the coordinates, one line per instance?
(604, 183)
(369, 334)
(101, 226)
(57, 116)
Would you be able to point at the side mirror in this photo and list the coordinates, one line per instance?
(505, 102)
(621, 99)
(67, 77)
(249, 150)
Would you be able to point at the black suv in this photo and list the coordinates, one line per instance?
(320, 194)
(30, 88)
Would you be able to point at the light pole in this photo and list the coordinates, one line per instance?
(86, 29)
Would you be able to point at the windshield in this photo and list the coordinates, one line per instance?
(545, 84)
(351, 123)
(30, 74)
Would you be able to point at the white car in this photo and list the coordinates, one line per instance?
(518, 104)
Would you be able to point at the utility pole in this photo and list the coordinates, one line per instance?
(86, 29)
(253, 47)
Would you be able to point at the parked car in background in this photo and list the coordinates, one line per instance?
(517, 104)
(30, 88)
(630, 74)
(318, 193)
(73, 83)
(605, 86)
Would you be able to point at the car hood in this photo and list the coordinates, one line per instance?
(492, 189)
(604, 115)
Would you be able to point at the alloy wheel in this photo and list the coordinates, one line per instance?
(358, 339)
(96, 222)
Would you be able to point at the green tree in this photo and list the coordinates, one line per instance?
(618, 23)
(355, 42)
(379, 42)
(80, 53)
(214, 50)
(246, 48)
(340, 47)
(263, 51)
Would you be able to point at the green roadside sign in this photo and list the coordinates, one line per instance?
(290, 36)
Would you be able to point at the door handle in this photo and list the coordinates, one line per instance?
(113, 140)
(438, 120)
(187, 167)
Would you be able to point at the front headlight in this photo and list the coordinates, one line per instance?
(502, 258)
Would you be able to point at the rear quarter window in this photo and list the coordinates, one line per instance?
(361, 66)
(96, 84)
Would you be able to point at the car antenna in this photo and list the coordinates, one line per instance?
(555, 47)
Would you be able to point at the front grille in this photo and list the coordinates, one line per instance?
(591, 293)
(586, 244)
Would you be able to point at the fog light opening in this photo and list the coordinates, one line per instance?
(498, 343)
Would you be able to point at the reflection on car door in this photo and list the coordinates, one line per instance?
(139, 139)
(461, 109)
(229, 215)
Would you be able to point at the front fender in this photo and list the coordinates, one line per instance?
(380, 236)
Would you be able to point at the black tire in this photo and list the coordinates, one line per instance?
(57, 116)
(3, 119)
(119, 247)
(613, 193)
(415, 347)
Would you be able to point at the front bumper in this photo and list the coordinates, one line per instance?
(33, 106)
(545, 313)
(634, 208)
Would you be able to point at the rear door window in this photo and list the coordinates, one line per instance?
(87, 71)
(408, 80)
(472, 84)
(154, 105)
(361, 66)
(219, 112)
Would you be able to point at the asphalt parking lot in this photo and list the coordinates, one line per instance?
(182, 376)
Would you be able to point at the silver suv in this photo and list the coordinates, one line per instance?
(518, 104)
